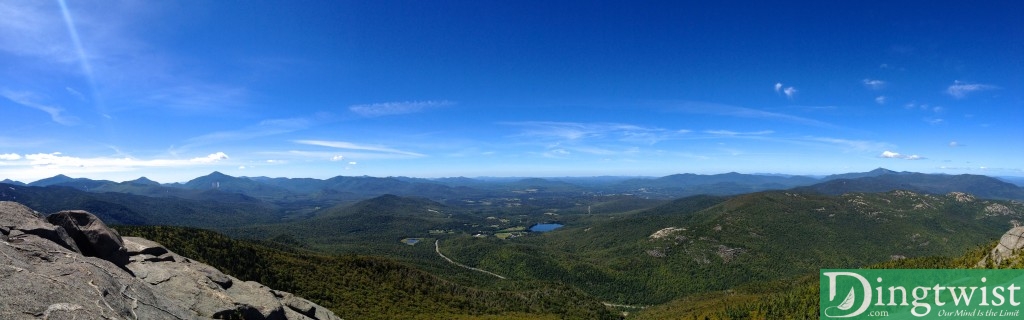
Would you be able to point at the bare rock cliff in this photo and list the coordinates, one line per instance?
(1010, 244)
(70, 265)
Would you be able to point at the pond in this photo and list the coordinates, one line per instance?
(411, 241)
(545, 227)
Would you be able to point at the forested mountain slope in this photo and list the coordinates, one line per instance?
(361, 287)
(696, 245)
(797, 298)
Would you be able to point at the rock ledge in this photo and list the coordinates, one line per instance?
(70, 265)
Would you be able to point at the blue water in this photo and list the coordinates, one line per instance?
(545, 227)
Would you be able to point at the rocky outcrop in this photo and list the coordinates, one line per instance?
(93, 237)
(18, 219)
(1011, 242)
(78, 268)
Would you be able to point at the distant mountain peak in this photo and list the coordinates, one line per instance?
(217, 174)
(881, 171)
(60, 178)
(144, 181)
(9, 181)
(872, 182)
(213, 176)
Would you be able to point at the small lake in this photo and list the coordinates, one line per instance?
(411, 241)
(545, 227)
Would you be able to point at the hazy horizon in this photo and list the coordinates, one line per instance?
(171, 91)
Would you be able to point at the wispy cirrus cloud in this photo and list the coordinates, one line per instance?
(293, 156)
(556, 153)
(743, 112)
(564, 140)
(358, 147)
(91, 44)
(960, 90)
(28, 99)
(852, 145)
(34, 28)
(265, 128)
(396, 108)
(736, 133)
(880, 99)
(196, 96)
(576, 131)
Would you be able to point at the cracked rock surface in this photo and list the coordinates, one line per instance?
(1009, 244)
(44, 275)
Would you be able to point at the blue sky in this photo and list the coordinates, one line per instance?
(173, 90)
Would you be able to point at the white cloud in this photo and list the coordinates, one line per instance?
(353, 146)
(934, 121)
(895, 155)
(337, 158)
(890, 154)
(960, 90)
(395, 108)
(954, 144)
(41, 165)
(241, 167)
(10, 156)
(790, 92)
(57, 114)
(211, 158)
(352, 163)
(880, 99)
(874, 84)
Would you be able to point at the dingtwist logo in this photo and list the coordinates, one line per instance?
(851, 297)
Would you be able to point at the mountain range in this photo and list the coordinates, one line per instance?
(624, 241)
(344, 188)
